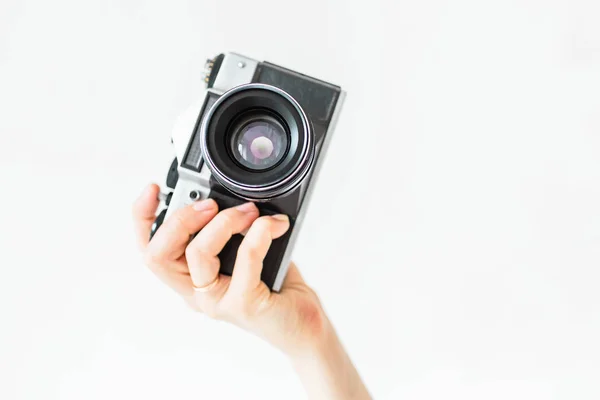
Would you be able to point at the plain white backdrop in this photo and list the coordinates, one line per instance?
(454, 236)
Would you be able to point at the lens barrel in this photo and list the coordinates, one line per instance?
(258, 139)
(257, 142)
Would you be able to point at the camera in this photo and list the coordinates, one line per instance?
(259, 133)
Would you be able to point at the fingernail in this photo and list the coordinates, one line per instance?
(204, 205)
(247, 207)
(281, 217)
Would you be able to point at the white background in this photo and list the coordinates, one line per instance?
(454, 237)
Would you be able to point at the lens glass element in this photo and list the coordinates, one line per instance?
(260, 142)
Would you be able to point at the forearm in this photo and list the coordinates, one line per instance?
(327, 372)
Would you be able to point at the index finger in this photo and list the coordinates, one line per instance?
(171, 239)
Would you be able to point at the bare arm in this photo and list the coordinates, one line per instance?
(327, 372)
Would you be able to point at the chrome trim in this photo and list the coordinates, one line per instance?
(290, 181)
(287, 255)
(232, 73)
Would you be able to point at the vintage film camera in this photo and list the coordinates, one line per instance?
(258, 134)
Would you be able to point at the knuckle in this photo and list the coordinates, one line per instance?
(209, 306)
(192, 252)
(263, 223)
(238, 308)
(197, 257)
(212, 311)
(152, 259)
(178, 220)
(225, 220)
(249, 253)
(193, 304)
(242, 311)
(205, 305)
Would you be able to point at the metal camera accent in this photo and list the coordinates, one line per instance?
(258, 133)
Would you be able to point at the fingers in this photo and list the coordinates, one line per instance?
(252, 251)
(165, 250)
(183, 264)
(202, 252)
(171, 239)
(179, 281)
(143, 212)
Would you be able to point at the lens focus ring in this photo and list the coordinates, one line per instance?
(251, 163)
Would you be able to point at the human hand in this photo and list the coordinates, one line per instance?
(291, 320)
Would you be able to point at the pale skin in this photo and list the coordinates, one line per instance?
(292, 320)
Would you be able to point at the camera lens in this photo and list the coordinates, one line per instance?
(259, 141)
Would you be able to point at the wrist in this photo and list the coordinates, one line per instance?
(326, 370)
(312, 333)
(317, 345)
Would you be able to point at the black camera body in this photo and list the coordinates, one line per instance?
(259, 134)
